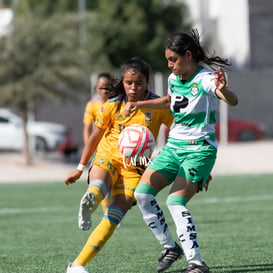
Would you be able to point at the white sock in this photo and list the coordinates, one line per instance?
(186, 232)
(154, 218)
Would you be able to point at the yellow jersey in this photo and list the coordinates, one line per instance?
(92, 108)
(113, 120)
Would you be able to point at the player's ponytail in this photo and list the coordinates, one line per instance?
(183, 41)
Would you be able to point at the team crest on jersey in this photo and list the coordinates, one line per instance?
(148, 116)
(120, 116)
(194, 89)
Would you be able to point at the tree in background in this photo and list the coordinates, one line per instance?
(117, 30)
(45, 59)
(140, 27)
(41, 60)
(51, 6)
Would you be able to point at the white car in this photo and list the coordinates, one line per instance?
(46, 136)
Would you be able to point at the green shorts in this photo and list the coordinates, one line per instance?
(193, 162)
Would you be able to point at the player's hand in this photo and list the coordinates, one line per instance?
(220, 79)
(72, 177)
(129, 108)
(206, 186)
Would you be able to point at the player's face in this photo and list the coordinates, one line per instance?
(135, 85)
(102, 87)
(180, 65)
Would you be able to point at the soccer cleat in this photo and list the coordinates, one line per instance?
(85, 211)
(76, 269)
(168, 257)
(194, 268)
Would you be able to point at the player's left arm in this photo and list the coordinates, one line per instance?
(222, 91)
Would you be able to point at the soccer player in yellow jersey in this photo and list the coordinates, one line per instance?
(93, 106)
(92, 109)
(108, 171)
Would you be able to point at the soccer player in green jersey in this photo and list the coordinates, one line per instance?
(189, 155)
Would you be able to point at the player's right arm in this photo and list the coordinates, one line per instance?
(88, 119)
(158, 103)
(89, 149)
(87, 130)
(101, 124)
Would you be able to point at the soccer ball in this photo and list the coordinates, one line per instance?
(136, 141)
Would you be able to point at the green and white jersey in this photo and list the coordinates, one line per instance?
(193, 105)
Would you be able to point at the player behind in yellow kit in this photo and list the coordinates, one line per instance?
(92, 109)
(108, 172)
(93, 106)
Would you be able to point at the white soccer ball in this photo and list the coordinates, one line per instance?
(136, 141)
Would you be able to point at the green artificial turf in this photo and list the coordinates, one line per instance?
(39, 233)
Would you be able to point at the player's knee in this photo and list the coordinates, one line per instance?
(144, 199)
(140, 197)
(144, 195)
(176, 200)
(144, 188)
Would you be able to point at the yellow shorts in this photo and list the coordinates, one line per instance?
(124, 178)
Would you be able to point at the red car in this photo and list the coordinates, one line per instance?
(239, 130)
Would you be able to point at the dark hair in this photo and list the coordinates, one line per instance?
(134, 63)
(138, 64)
(183, 41)
(105, 75)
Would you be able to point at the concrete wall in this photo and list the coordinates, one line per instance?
(70, 114)
(255, 97)
(261, 29)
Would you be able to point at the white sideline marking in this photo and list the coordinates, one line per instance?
(4, 211)
(239, 199)
(233, 199)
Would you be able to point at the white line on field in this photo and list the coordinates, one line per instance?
(234, 199)
(4, 211)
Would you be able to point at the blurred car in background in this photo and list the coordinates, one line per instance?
(240, 130)
(47, 136)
